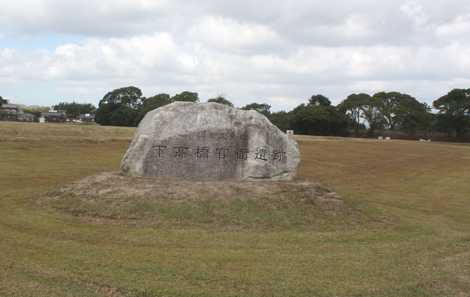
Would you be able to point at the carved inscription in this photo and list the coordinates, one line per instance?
(160, 150)
(241, 154)
(261, 154)
(278, 156)
(204, 153)
(180, 152)
(222, 153)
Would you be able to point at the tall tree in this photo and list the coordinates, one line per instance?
(186, 97)
(395, 107)
(124, 116)
(412, 115)
(3, 101)
(120, 107)
(358, 106)
(281, 119)
(262, 108)
(36, 110)
(74, 110)
(353, 107)
(319, 100)
(104, 113)
(152, 103)
(416, 119)
(318, 120)
(128, 96)
(372, 115)
(221, 100)
(155, 102)
(454, 111)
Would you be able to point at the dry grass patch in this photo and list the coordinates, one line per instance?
(419, 190)
(226, 204)
(27, 132)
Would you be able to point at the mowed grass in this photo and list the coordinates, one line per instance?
(414, 239)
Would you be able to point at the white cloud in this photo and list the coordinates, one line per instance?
(457, 28)
(229, 35)
(415, 12)
(277, 51)
(119, 57)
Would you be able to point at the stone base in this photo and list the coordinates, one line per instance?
(232, 204)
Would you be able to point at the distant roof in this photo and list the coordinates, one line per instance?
(25, 114)
(53, 114)
(9, 105)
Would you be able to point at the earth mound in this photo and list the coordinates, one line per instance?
(274, 204)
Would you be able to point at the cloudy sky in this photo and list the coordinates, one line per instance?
(277, 51)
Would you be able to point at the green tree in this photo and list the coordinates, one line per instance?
(104, 113)
(372, 115)
(314, 119)
(186, 97)
(221, 100)
(128, 96)
(395, 107)
(454, 111)
(281, 119)
(74, 110)
(36, 110)
(319, 100)
(417, 119)
(124, 116)
(3, 101)
(353, 108)
(152, 103)
(368, 109)
(120, 107)
(262, 108)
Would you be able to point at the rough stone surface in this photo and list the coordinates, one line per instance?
(210, 141)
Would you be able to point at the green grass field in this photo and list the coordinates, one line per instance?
(412, 237)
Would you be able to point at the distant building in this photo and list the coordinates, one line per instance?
(10, 108)
(8, 112)
(53, 117)
(14, 112)
(86, 118)
(26, 117)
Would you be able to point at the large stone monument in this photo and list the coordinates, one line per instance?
(210, 141)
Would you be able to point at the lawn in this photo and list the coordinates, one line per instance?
(412, 237)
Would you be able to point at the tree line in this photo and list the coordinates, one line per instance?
(357, 115)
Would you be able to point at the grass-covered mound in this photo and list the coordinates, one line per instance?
(223, 204)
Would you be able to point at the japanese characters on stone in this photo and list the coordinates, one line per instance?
(202, 153)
